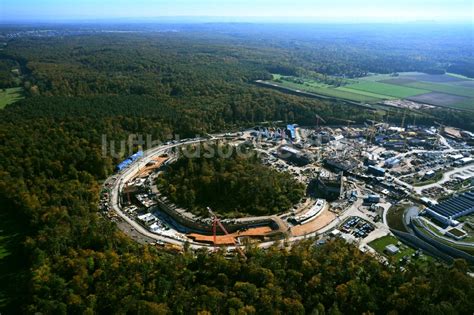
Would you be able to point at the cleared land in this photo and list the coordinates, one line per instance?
(441, 99)
(446, 90)
(231, 238)
(370, 94)
(9, 96)
(318, 223)
(469, 84)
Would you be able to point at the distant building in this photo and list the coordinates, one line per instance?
(376, 171)
(466, 160)
(329, 186)
(339, 164)
(294, 155)
(129, 160)
(391, 249)
(448, 211)
(291, 131)
(392, 162)
(430, 174)
(372, 199)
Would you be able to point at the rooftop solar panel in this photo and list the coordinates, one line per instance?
(455, 206)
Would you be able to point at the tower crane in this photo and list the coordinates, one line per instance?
(403, 119)
(348, 121)
(441, 130)
(216, 222)
(319, 118)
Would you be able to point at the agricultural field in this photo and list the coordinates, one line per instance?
(443, 88)
(397, 91)
(10, 95)
(312, 86)
(439, 90)
(445, 100)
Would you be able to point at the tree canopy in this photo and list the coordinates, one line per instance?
(231, 182)
(75, 261)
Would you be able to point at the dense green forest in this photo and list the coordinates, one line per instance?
(232, 182)
(66, 258)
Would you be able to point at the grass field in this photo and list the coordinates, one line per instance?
(11, 95)
(467, 104)
(325, 90)
(440, 90)
(395, 217)
(374, 95)
(376, 77)
(392, 90)
(459, 76)
(380, 244)
(444, 88)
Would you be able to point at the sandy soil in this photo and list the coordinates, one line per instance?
(318, 223)
(231, 238)
(145, 171)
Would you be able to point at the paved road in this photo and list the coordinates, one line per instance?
(136, 228)
(446, 177)
(127, 175)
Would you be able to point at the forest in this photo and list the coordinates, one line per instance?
(232, 182)
(67, 259)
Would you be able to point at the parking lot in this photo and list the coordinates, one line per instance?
(357, 227)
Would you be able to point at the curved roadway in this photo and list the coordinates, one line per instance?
(126, 175)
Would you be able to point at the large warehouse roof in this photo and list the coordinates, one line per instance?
(457, 206)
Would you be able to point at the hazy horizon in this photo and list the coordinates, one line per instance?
(304, 11)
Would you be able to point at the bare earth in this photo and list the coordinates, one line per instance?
(318, 223)
(231, 238)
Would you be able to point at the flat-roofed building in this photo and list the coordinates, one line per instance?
(448, 211)
(294, 155)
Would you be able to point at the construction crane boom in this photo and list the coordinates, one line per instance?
(403, 119)
(348, 121)
(215, 222)
(319, 118)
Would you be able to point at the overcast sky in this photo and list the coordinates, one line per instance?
(294, 10)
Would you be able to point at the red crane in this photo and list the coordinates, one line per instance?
(215, 223)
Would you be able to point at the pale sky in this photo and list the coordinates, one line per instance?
(307, 10)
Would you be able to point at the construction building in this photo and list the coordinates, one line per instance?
(329, 186)
(339, 164)
(294, 155)
(376, 171)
